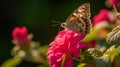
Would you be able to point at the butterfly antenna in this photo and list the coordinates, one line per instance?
(58, 23)
(55, 25)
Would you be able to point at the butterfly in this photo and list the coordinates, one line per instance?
(79, 20)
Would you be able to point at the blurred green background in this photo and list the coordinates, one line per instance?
(36, 15)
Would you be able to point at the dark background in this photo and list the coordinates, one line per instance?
(36, 15)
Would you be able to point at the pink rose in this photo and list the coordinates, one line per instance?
(101, 16)
(20, 36)
(66, 44)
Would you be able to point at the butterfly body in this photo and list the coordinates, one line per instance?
(79, 20)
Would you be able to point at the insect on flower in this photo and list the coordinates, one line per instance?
(79, 20)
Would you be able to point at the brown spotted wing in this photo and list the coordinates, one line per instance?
(79, 20)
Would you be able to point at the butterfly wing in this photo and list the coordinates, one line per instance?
(81, 10)
(79, 20)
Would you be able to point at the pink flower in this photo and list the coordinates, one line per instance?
(20, 36)
(101, 16)
(66, 44)
(113, 1)
(116, 4)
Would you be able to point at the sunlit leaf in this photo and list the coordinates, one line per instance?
(113, 53)
(13, 62)
(81, 65)
(93, 35)
(94, 52)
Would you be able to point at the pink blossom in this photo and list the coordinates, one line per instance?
(115, 1)
(116, 4)
(66, 43)
(20, 36)
(101, 16)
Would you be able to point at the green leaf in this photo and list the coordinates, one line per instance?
(113, 53)
(81, 65)
(43, 50)
(94, 52)
(63, 61)
(13, 62)
(93, 35)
